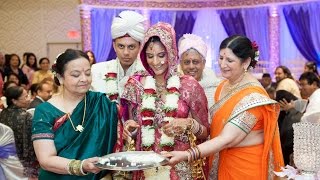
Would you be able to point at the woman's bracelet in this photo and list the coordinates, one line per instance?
(81, 169)
(194, 154)
(74, 167)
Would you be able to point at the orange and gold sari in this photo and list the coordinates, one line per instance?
(249, 108)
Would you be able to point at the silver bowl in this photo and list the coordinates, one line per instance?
(131, 161)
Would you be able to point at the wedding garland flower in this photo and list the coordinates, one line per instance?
(148, 112)
(112, 90)
(170, 108)
(255, 47)
(148, 109)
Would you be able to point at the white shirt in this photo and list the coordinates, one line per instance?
(100, 69)
(314, 102)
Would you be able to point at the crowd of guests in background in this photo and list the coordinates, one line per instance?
(202, 102)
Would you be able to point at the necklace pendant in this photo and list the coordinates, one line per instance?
(80, 128)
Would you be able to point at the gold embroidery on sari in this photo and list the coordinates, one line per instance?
(245, 121)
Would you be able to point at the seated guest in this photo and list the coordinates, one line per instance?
(33, 91)
(91, 56)
(285, 81)
(309, 83)
(311, 67)
(266, 81)
(14, 78)
(43, 72)
(20, 121)
(12, 66)
(192, 54)
(44, 93)
(285, 121)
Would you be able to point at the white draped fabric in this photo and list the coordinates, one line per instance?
(11, 166)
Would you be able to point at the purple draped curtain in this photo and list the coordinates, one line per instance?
(256, 21)
(100, 37)
(298, 20)
(184, 23)
(232, 21)
(161, 15)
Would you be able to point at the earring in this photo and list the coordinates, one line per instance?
(245, 69)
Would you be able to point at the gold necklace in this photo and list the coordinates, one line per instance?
(233, 87)
(80, 126)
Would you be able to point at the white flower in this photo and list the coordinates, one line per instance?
(148, 102)
(147, 135)
(147, 118)
(173, 81)
(149, 83)
(112, 87)
(166, 140)
(257, 55)
(172, 101)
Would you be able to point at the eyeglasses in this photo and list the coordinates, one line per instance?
(27, 97)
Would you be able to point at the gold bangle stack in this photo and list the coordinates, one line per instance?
(194, 157)
(75, 168)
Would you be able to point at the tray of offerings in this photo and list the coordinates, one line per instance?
(131, 161)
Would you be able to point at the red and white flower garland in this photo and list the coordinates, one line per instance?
(148, 110)
(112, 90)
(149, 107)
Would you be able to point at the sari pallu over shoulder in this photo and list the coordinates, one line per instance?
(97, 139)
(227, 108)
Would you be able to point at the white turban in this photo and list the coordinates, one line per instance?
(128, 22)
(191, 41)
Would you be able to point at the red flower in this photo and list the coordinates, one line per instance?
(254, 45)
(149, 91)
(111, 75)
(173, 90)
(113, 97)
(148, 122)
(171, 113)
(147, 113)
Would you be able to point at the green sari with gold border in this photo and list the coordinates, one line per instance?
(97, 139)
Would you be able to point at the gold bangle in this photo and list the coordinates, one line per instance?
(81, 169)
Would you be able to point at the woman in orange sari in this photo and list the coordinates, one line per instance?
(244, 134)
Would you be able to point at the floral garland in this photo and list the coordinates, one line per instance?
(112, 90)
(148, 112)
(255, 47)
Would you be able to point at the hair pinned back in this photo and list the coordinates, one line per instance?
(63, 59)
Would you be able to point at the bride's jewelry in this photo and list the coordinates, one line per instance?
(160, 87)
(80, 127)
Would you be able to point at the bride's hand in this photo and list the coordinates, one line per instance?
(129, 126)
(175, 156)
(177, 126)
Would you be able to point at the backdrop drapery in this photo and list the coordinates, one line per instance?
(184, 23)
(163, 16)
(100, 37)
(211, 25)
(256, 23)
(212, 34)
(299, 24)
(232, 21)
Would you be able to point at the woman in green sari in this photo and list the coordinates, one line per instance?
(76, 126)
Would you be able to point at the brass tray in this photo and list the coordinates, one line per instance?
(131, 161)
